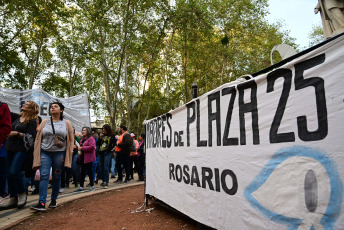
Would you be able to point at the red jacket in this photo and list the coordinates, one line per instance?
(5, 122)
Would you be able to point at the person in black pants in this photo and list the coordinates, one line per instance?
(141, 157)
(87, 157)
(123, 156)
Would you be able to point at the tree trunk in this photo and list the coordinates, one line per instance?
(184, 68)
(122, 57)
(127, 89)
(107, 92)
(166, 72)
(39, 48)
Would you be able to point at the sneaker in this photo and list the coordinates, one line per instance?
(88, 185)
(21, 200)
(38, 207)
(9, 203)
(62, 190)
(118, 181)
(53, 204)
(32, 188)
(102, 184)
(3, 198)
(126, 181)
(106, 186)
(80, 189)
(91, 189)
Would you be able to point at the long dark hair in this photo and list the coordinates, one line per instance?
(107, 129)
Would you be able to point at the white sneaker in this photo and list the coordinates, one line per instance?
(21, 200)
(32, 188)
(9, 203)
(80, 189)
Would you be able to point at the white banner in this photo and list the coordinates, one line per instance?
(76, 108)
(263, 154)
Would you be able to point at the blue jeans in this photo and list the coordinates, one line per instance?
(94, 169)
(54, 160)
(3, 175)
(75, 169)
(15, 162)
(113, 166)
(104, 161)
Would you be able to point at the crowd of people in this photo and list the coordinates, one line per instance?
(48, 153)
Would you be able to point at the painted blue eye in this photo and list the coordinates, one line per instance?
(299, 187)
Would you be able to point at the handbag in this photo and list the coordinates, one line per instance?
(28, 142)
(59, 141)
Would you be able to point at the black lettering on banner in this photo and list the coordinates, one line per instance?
(186, 176)
(190, 119)
(276, 137)
(180, 140)
(214, 116)
(148, 136)
(154, 123)
(44, 108)
(163, 141)
(172, 171)
(318, 84)
(169, 141)
(158, 138)
(176, 138)
(250, 107)
(234, 188)
(234, 140)
(179, 175)
(217, 179)
(200, 143)
(207, 175)
(194, 176)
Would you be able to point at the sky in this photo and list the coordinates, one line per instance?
(298, 17)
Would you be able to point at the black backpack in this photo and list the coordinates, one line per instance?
(132, 143)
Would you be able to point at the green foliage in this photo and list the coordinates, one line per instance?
(69, 47)
(316, 35)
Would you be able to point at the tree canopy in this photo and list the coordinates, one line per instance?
(136, 59)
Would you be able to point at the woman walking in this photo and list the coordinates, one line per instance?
(86, 158)
(53, 148)
(18, 147)
(106, 143)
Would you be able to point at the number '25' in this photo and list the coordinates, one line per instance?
(300, 83)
